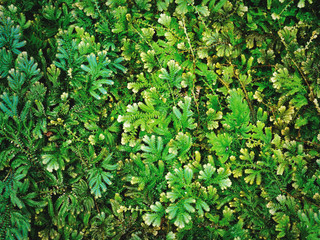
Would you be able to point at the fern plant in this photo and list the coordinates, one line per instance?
(159, 120)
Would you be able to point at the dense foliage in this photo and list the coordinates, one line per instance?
(167, 119)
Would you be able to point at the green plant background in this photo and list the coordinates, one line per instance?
(167, 119)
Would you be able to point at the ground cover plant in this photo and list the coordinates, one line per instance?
(167, 119)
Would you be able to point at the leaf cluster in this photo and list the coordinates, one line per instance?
(169, 119)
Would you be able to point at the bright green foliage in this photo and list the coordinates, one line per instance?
(212, 117)
(95, 70)
(238, 120)
(6, 62)
(155, 218)
(10, 35)
(207, 175)
(183, 118)
(9, 106)
(180, 183)
(168, 119)
(98, 176)
(145, 177)
(180, 145)
(221, 144)
(173, 77)
(156, 150)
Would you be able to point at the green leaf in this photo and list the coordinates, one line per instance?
(221, 144)
(182, 7)
(154, 218)
(170, 236)
(173, 195)
(239, 119)
(224, 50)
(301, 4)
(11, 105)
(28, 67)
(97, 179)
(177, 112)
(181, 145)
(51, 161)
(202, 205)
(188, 174)
(16, 80)
(149, 60)
(182, 219)
(185, 118)
(163, 5)
(172, 211)
(203, 10)
(50, 207)
(147, 32)
(252, 175)
(187, 206)
(6, 60)
(16, 201)
(164, 20)
(246, 155)
(154, 150)
(219, 5)
(225, 183)
(207, 172)
(174, 75)
(280, 169)
(259, 134)
(212, 117)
